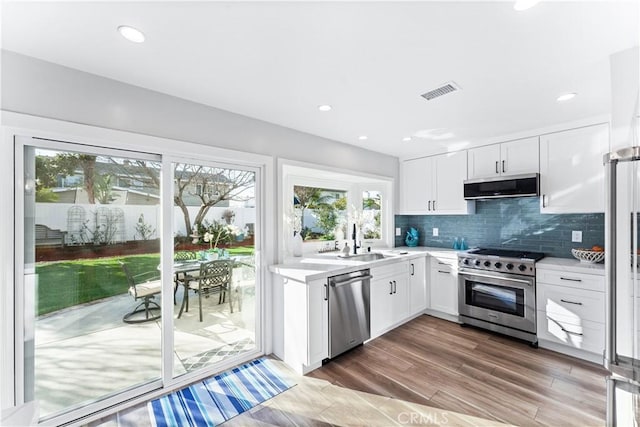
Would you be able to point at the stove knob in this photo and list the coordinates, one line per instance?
(522, 267)
(498, 264)
(487, 263)
(476, 262)
(465, 261)
(509, 266)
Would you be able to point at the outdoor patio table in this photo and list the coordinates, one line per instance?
(193, 265)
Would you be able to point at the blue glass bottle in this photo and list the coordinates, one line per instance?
(456, 244)
(463, 245)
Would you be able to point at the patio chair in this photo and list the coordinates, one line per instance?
(177, 257)
(214, 278)
(144, 290)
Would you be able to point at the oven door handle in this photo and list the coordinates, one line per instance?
(489, 276)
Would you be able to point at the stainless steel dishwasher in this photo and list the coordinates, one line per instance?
(349, 321)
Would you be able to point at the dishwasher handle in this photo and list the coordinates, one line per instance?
(335, 284)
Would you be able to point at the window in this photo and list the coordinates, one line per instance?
(371, 215)
(325, 204)
(321, 213)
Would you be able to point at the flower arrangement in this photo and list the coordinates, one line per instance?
(217, 233)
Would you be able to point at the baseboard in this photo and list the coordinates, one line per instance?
(441, 315)
(570, 351)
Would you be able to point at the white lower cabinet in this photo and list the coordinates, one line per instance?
(389, 301)
(443, 285)
(301, 323)
(571, 312)
(417, 285)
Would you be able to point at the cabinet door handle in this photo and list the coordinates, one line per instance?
(569, 279)
(413, 270)
(326, 292)
(544, 200)
(390, 287)
(569, 332)
(434, 205)
(497, 170)
(570, 302)
(395, 287)
(429, 205)
(443, 272)
(503, 167)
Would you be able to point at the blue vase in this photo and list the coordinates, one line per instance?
(412, 238)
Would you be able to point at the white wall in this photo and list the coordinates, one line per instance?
(44, 89)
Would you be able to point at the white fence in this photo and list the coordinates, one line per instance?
(56, 216)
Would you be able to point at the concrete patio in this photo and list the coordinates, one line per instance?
(87, 352)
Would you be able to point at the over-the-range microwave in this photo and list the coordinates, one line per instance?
(504, 186)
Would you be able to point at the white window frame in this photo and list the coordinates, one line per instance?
(291, 173)
(12, 363)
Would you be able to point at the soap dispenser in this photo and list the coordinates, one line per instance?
(346, 249)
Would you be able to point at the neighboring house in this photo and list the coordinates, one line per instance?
(121, 196)
(132, 185)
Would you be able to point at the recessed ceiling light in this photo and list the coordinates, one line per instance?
(566, 97)
(325, 107)
(131, 34)
(363, 137)
(521, 5)
(406, 139)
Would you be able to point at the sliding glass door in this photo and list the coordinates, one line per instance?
(91, 287)
(100, 317)
(214, 231)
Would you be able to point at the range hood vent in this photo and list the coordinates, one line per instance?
(442, 90)
(527, 185)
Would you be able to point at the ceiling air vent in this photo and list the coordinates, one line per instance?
(442, 90)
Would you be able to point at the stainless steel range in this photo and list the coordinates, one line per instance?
(497, 291)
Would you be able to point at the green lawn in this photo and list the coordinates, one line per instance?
(67, 283)
(64, 284)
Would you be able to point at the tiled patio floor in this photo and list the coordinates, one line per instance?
(88, 351)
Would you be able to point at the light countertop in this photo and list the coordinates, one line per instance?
(570, 265)
(319, 266)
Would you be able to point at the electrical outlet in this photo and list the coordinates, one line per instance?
(435, 231)
(398, 231)
(576, 236)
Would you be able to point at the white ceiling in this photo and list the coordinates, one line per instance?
(277, 61)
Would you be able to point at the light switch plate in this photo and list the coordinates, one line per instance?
(576, 236)
(398, 231)
(435, 231)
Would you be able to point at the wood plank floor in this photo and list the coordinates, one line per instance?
(446, 366)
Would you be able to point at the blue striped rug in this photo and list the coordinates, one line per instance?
(218, 399)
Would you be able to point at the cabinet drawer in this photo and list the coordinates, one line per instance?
(574, 305)
(591, 282)
(441, 268)
(398, 268)
(589, 336)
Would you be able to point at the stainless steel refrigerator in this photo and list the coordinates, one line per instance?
(622, 235)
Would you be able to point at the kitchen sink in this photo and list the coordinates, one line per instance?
(371, 256)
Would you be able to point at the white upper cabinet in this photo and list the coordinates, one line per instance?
(415, 175)
(520, 156)
(508, 158)
(434, 185)
(571, 170)
(448, 193)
